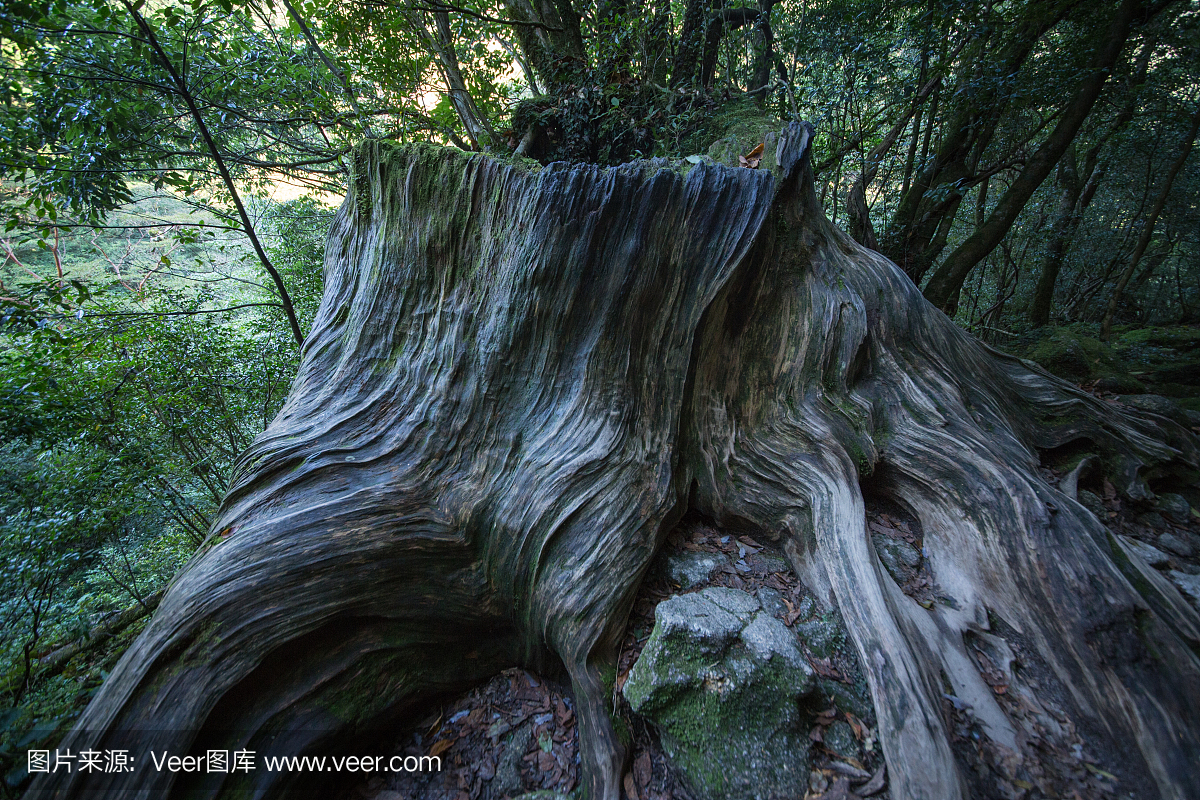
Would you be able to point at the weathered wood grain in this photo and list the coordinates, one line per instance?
(516, 382)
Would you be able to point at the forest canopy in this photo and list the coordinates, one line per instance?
(170, 172)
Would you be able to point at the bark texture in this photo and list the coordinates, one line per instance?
(519, 380)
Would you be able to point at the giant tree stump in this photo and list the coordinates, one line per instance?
(518, 380)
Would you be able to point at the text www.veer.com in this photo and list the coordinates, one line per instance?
(352, 763)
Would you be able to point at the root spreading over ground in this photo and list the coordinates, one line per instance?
(520, 380)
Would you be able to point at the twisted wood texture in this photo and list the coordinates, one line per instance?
(518, 380)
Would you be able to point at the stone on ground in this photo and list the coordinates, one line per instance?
(723, 682)
(689, 569)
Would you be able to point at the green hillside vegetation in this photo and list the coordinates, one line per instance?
(122, 410)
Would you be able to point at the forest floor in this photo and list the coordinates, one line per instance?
(1153, 360)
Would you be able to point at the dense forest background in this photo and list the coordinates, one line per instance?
(170, 170)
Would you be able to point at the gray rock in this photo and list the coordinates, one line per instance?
(543, 794)
(821, 635)
(1174, 507)
(817, 782)
(1092, 502)
(735, 601)
(1152, 519)
(767, 637)
(770, 562)
(507, 780)
(852, 697)
(690, 569)
(1173, 544)
(697, 621)
(899, 558)
(722, 680)
(772, 601)
(1151, 555)
(1189, 585)
(839, 738)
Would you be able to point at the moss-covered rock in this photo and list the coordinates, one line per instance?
(839, 739)
(1119, 384)
(899, 558)
(1070, 353)
(1175, 337)
(737, 130)
(723, 682)
(1164, 407)
(822, 636)
(1175, 507)
(1165, 357)
(1163, 360)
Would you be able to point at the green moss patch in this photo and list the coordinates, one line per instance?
(725, 683)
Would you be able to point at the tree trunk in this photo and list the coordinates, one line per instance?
(718, 23)
(976, 101)
(690, 48)
(551, 40)
(946, 282)
(1074, 200)
(441, 41)
(1143, 242)
(763, 53)
(1076, 197)
(858, 213)
(910, 161)
(518, 381)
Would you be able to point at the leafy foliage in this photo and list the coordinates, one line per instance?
(123, 410)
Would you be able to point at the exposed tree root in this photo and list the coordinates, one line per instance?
(515, 383)
(828, 365)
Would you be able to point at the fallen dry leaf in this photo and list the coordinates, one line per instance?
(751, 159)
(875, 784)
(641, 769)
(630, 787)
(855, 725)
(825, 668)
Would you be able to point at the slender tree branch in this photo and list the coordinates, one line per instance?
(181, 313)
(181, 85)
(337, 71)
